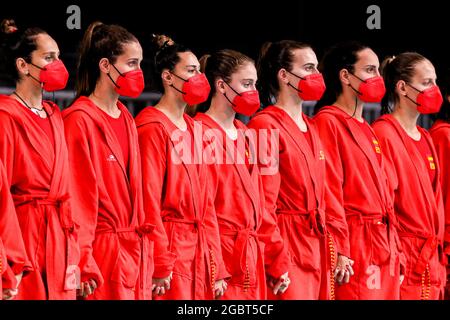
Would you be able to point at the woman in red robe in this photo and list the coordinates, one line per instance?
(106, 173)
(357, 195)
(294, 193)
(176, 184)
(414, 172)
(251, 243)
(34, 153)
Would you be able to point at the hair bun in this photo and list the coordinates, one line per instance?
(8, 26)
(162, 41)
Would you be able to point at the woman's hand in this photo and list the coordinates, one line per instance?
(87, 288)
(220, 286)
(161, 285)
(280, 285)
(343, 270)
(10, 294)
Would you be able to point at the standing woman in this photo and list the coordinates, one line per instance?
(246, 228)
(413, 172)
(176, 183)
(357, 195)
(440, 132)
(294, 194)
(34, 153)
(105, 165)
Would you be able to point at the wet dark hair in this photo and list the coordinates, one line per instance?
(99, 41)
(14, 44)
(394, 69)
(165, 54)
(343, 55)
(444, 85)
(221, 64)
(274, 56)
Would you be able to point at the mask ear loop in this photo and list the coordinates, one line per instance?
(120, 74)
(180, 91)
(234, 92)
(417, 104)
(289, 84)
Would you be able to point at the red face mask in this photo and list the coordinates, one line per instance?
(429, 100)
(371, 90)
(53, 76)
(129, 84)
(195, 89)
(246, 103)
(310, 87)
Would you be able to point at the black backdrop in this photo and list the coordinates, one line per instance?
(245, 25)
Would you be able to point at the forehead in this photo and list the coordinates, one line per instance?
(132, 48)
(46, 43)
(367, 57)
(188, 59)
(425, 69)
(303, 56)
(245, 71)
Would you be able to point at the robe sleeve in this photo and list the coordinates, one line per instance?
(14, 248)
(389, 167)
(212, 227)
(14, 256)
(153, 147)
(84, 192)
(276, 256)
(442, 144)
(336, 221)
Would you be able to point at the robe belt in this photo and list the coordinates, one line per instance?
(431, 245)
(144, 232)
(315, 218)
(391, 222)
(318, 225)
(201, 252)
(64, 215)
(242, 238)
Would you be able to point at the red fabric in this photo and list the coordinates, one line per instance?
(176, 189)
(119, 127)
(371, 137)
(427, 156)
(115, 236)
(13, 256)
(294, 196)
(418, 206)
(245, 226)
(38, 177)
(359, 203)
(308, 138)
(440, 132)
(46, 126)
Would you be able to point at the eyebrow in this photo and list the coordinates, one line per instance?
(247, 80)
(193, 66)
(309, 64)
(370, 65)
(51, 52)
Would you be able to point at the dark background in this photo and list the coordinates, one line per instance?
(245, 25)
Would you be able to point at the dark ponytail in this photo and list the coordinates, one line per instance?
(273, 57)
(394, 69)
(99, 41)
(341, 56)
(14, 44)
